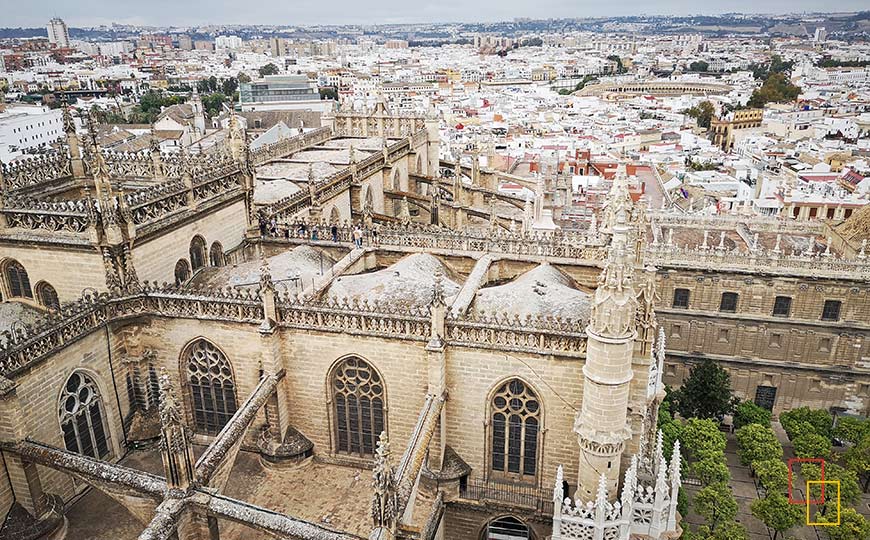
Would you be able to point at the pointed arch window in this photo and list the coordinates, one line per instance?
(47, 295)
(182, 272)
(18, 280)
(82, 417)
(197, 253)
(212, 387)
(216, 254)
(358, 402)
(515, 413)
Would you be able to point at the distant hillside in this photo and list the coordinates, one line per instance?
(18, 33)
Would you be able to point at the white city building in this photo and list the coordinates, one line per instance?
(26, 127)
(58, 34)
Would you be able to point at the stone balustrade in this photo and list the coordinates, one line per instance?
(32, 214)
(35, 170)
(754, 222)
(26, 345)
(759, 261)
(290, 145)
(647, 508)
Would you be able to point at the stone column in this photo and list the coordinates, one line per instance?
(437, 368)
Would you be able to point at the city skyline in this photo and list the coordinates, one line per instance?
(164, 13)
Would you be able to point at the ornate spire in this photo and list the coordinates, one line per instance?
(69, 125)
(312, 187)
(404, 211)
(265, 275)
(618, 204)
(175, 444)
(170, 414)
(385, 503)
(558, 491)
(438, 289)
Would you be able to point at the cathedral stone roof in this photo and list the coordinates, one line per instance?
(18, 311)
(406, 284)
(542, 291)
(302, 262)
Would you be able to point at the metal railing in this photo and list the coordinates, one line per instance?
(523, 496)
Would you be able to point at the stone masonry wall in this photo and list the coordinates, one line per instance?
(68, 271)
(155, 259)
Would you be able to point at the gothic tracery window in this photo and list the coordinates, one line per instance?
(358, 402)
(515, 413)
(82, 419)
(212, 387)
(18, 281)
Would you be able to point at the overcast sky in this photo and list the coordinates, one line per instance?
(15, 13)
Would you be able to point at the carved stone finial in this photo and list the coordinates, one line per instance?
(438, 289)
(601, 495)
(265, 275)
(69, 125)
(170, 413)
(385, 503)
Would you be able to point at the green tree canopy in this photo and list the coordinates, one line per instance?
(213, 103)
(700, 438)
(853, 526)
(750, 413)
(711, 470)
(706, 393)
(702, 113)
(851, 429)
(812, 445)
(777, 513)
(850, 491)
(716, 504)
(728, 530)
(820, 420)
(699, 65)
(268, 69)
(776, 88)
(756, 442)
(243, 77)
(857, 458)
(773, 475)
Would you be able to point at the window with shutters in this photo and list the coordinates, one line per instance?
(358, 406)
(515, 424)
(18, 281)
(82, 417)
(211, 387)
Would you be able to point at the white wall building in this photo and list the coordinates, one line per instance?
(27, 127)
(58, 34)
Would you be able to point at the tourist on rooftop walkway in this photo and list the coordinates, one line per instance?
(334, 231)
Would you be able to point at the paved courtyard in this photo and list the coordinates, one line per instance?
(745, 492)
